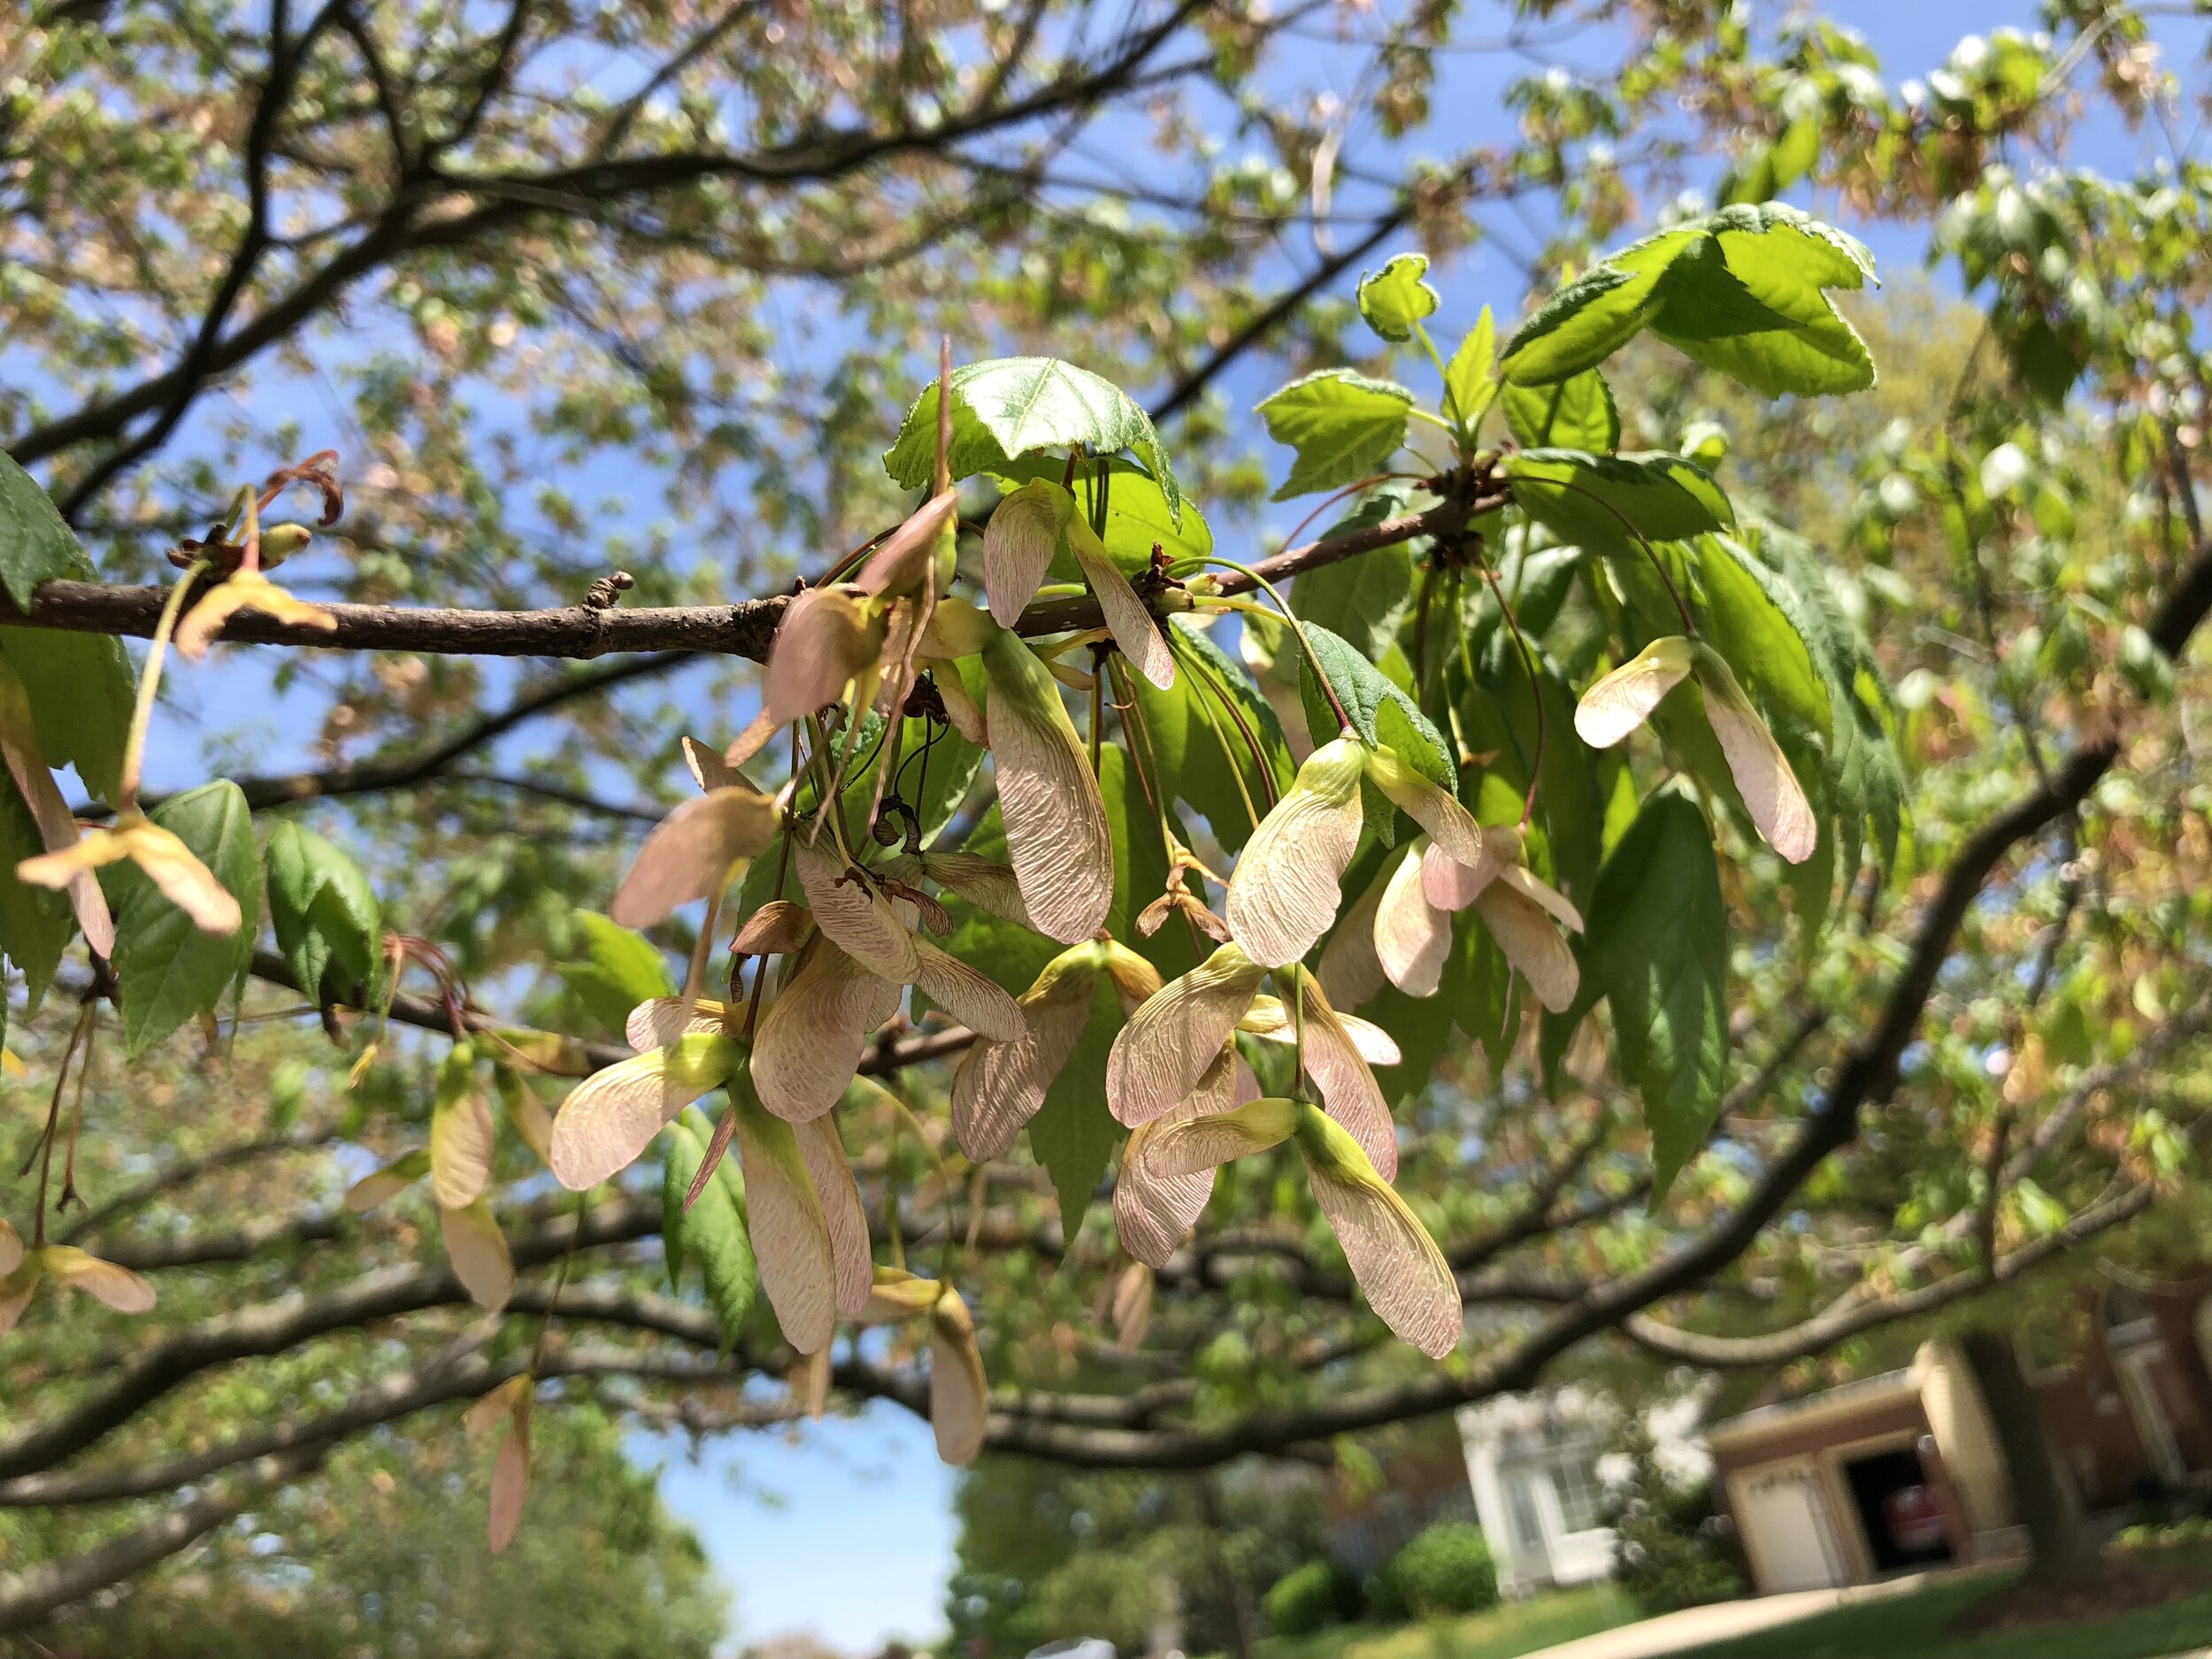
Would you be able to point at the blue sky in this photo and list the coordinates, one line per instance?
(845, 1527)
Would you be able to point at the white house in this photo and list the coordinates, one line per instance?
(1539, 1464)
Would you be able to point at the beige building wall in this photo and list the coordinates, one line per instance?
(1966, 1437)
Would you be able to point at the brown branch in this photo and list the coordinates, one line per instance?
(570, 631)
(31, 1595)
(405, 225)
(187, 1170)
(139, 1379)
(744, 630)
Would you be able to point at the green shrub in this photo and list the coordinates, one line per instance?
(2149, 1535)
(1446, 1568)
(1671, 1549)
(1311, 1598)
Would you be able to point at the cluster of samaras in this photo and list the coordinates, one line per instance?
(835, 967)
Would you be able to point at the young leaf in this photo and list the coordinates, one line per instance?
(1663, 496)
(81, 692)
(617, 970)
(1594, 315)
(1342, 425)
(1380, 710)
(711, 1231)
(1748, 302)
(167, 968)
(1754, 616)
(1576, 414)
(1396, 297)
(1657, 950)
(36, 544)
(323, 909)
(1467, 388)
(1005, 407)
(1741, 291)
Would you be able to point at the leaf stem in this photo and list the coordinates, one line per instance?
(45, 1153)
(1689, 625)
(1535, 687)
(150, 684)
(1251, 575)
(1212, 683)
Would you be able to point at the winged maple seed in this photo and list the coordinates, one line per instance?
(838, 637)
(167, 861)
(247, 590)
(1027, 528)
(856, 915)
(1283, 893)
(1622, 701)
(1522, 911)
(510, 1403)
(70, 1269)
(56, 829)
(793, 1236)
(1057, 833)
(611, 1116)
(693, 852)
(1165, 1051)
(1397, 1263)
(1000, 1085)
(959, 1392)
(477, 1251)
(1154, 1212)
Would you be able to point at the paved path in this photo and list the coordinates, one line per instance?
(1695, 1626)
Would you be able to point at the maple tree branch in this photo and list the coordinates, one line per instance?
(185, 1170)
(137, 1380)
(406, 225)
(30, 1595)
(743, 630)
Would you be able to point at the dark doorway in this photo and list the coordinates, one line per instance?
(1905, 1523)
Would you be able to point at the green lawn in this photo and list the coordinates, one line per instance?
(1505, 1631)
(1913, 1626)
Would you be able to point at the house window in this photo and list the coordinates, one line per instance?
(1520, 1503)
(1581, 1495)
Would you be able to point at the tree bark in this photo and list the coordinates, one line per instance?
(1239, 1632)
(2059, 1541)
